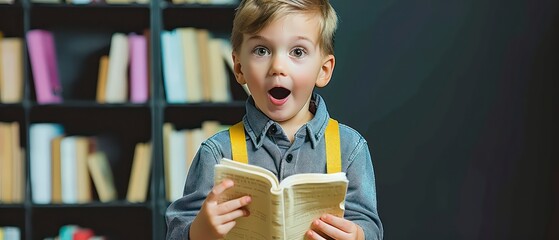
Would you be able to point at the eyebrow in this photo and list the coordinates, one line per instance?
(258, 37)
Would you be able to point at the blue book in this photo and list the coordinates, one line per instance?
(173, 67)
(41, 135)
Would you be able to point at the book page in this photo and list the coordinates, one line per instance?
(307, 202)
(261, 222)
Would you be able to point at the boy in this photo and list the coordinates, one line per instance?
(281, 50)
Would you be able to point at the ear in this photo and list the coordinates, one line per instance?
(326, 71)
(237, 68)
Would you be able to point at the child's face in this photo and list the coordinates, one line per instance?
(281, 64)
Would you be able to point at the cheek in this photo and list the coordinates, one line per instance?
(305, 78)
(255, 71)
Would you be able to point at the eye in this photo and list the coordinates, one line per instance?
(298, 52)
(260, 51)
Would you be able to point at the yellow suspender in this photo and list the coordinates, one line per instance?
(238, 143)
(333, 153)
(331, 137)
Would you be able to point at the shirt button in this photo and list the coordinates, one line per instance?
(289, 158)
(273, 129)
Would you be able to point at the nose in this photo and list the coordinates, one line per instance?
(278, 66)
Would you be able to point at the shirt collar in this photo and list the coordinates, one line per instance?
(257, 123)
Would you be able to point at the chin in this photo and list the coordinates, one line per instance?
(278, 117)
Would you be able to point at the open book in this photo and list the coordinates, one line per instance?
(280, 210)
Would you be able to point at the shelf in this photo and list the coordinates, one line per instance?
(11, 20)
(233, 104)
(115, 204)
(91, 6)
(192, 115)
(116, 18)
(89, 104)
(11, 206)
(82, 34)
(198, 6)
(217, 19)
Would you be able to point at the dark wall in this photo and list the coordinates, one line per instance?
(458, 101)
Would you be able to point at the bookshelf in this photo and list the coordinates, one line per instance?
(82, 35)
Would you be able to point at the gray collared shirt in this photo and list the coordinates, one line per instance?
(269, 147)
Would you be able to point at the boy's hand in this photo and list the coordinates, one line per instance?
(331, 227)
(215, 220)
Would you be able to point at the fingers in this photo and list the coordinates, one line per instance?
(314, 235)
(231, 216)
(231, 205)
(334, 227)
(340, 223)
(219, 189)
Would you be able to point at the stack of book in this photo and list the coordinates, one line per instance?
(63, 167)
(123, 71)
(194, 66)
(178, 158)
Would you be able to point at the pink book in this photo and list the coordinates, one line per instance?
(138, 68)
(43, 66)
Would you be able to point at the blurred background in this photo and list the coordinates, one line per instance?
(458, 102)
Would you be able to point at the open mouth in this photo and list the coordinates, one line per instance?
(279, 92)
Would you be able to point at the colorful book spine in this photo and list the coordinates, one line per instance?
(42, 54)
(173, 68)
(138, 68)
(40, 135)
(117, 79)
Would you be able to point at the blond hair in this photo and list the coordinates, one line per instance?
(253, 15)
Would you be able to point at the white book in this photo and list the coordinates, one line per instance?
(280, 210)
(117, 74)
(11, 233)
(178, 164)
(40, 136)
(68, 167)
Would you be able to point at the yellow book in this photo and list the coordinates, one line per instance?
(280, 210)
(219, 80)
(192, 76)
(102, 79)
(139, 176)
(16, 156)
(102, 175)
(19, 177)
(6, 161)
(56, 172)
(12, 81)
(84, 184)
(203, 37)
(167, 131)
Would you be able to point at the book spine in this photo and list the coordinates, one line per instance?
(138, 68)
(117, 83)
(40, 136)
(173, 71)
(40, 55)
